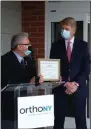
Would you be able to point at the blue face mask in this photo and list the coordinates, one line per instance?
(65, 34)
(27, 52)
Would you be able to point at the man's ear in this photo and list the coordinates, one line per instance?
(74, 31)
(19, 47)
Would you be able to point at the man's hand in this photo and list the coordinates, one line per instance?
(68, 92)
(71, 87)
(32, 80)
(60, 79)
(41, 80)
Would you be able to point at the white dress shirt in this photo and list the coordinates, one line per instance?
(71, 43)
(18, 57)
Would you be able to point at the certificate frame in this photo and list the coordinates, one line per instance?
(40, 60)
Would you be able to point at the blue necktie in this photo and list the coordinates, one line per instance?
(23, 63)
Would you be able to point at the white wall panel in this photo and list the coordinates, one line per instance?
(10, 22)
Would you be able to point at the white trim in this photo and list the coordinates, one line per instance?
(85, 27)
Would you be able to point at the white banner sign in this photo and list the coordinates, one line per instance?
(35, 111)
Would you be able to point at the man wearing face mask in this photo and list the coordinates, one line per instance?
(17, 66)
(70, 98)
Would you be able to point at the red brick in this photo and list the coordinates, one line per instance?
(26, 29)
(40, 55)
(40, 40)
(41, 43)
(33, 21)
(28, 6)
(40, 6)
(24, 25)
(37, 34)
(32, 2)
(37, 2)
(33, 40)
(35, 56)
(33, 7)
(40, 29)
(41, 50)
(37, 24)
(36, 45)
(33, 29)
(31, 18)
(41, 18)
(26, 13)
(35, 50)
(38, 12)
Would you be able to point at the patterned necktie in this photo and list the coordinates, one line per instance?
(23, 63)
(69, 51)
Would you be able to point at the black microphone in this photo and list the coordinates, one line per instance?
(6, 86)
(30, 48)
(30, 55)
(37, 80)
(32, 51)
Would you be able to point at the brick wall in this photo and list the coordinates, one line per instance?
(33, 17)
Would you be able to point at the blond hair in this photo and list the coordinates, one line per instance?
(70, 22)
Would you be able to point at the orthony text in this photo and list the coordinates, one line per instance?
(34, 109)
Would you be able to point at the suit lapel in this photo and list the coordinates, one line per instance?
(65, 51)
(15, 60)
(74, 50)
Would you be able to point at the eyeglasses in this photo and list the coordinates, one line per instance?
(25, 44)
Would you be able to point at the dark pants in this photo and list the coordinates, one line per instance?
(69, 105)
(9, 109)
(6, 124)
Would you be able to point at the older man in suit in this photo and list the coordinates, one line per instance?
(17, 66)
(75, 68)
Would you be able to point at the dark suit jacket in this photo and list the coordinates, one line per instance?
(79, 67)
(13, 73)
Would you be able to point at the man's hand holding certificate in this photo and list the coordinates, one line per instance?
(50, 69)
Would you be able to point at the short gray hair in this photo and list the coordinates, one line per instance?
(16, 39)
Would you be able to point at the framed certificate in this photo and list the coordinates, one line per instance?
(49, 68)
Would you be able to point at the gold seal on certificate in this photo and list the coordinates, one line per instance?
(49, 68)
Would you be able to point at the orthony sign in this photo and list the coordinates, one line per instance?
(35, 109)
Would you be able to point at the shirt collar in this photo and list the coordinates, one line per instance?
(18, 56)
(71, 41)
